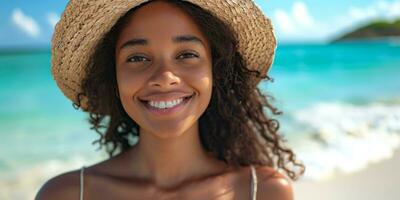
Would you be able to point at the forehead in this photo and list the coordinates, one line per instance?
(158, 20)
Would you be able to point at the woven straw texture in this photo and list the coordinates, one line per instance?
(84, 23)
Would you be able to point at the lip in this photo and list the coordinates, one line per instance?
(170, 96)
(167, 111)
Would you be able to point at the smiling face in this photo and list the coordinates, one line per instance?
(163, 68)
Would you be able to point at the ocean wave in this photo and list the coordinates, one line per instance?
(24, 183)
(342, 138)
(330, 138)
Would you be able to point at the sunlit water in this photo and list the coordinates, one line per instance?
(341, 106)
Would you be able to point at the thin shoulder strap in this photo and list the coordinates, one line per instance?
(253, 183)
(81, 183)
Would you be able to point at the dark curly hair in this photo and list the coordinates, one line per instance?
(235, 127)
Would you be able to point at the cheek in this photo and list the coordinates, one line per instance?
(202, 80)
(128, 84)
(205, 84)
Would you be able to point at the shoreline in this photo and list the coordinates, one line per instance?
(378, 181)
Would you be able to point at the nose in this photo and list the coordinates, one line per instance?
(164, 78)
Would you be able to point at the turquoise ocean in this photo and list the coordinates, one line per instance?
(340, 104)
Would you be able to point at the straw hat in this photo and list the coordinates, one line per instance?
(85, 22)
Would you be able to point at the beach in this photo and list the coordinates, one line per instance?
(341, 112)
(377, 181)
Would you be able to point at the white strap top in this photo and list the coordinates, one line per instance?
(253, 183)
(81, 183)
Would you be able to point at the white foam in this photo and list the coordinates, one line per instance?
(331, 138)
(25, 182)
(346, 138)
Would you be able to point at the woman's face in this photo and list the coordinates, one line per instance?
(163, 66)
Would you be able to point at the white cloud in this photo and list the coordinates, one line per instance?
(298, 24)
(284, 21)
(366, 13)
(383, 5)
(379, 10)
(25, 23)
(52, 19)
(301, 14)
(392, 10)
(356, 13)
(359, 15)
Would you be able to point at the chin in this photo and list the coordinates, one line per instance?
(166, 132)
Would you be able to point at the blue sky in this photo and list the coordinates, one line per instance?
(31, 24)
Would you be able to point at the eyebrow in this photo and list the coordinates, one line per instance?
(177, 39)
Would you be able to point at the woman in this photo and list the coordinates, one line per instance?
(171, 89)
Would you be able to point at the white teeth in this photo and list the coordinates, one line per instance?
(165, 104)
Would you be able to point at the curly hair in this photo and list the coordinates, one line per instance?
(235, 127)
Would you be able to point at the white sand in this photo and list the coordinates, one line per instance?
(378, 181)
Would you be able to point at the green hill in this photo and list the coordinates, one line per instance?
(377, 29)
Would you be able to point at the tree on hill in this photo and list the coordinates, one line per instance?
(376, 29)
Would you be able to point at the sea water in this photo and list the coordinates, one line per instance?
(340, 104)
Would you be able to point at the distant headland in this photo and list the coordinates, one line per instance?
(373, 30)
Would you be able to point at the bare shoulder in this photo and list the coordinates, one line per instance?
(272, 185)
(62, 187)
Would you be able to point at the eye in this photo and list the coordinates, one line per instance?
(136, 59)
(188, 55)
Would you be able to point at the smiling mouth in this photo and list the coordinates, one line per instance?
(166, 105)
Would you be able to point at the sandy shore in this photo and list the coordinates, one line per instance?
(379, 181)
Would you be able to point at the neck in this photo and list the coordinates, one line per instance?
(171, 161)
